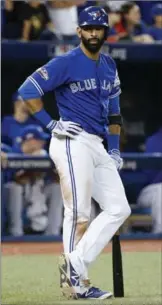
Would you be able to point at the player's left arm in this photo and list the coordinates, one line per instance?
(115, 122)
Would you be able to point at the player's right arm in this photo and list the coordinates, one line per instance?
(44, 79)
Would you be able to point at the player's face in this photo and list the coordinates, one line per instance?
(134, 15)
(32, 146)
(92, 37)
(158, 20)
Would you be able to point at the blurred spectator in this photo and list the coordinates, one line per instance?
(5, 178)
(4, 150)
(64, 17)
(151, 195)
(131, 26)
(87, 4)
(35, 19)
(114, 17)
(13, 22)
(115, 6)
(145, 7)
(156, 29)
(12, 125)
(29, 189)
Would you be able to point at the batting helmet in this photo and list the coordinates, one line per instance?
(94, 15)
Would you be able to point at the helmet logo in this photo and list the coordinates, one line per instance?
(95, 15)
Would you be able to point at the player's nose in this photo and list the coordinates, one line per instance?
(94, 33)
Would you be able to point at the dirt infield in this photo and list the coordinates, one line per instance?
(54, 247)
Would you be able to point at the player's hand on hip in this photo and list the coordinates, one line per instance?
(115, 155)
(66, 128)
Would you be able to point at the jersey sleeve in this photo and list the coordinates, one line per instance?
(115, 90)
(114, 105)
(44, 79)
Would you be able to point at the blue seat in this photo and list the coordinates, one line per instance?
(141, 211)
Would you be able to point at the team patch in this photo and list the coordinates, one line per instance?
(43, 73)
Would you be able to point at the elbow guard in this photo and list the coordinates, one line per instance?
(115, 120)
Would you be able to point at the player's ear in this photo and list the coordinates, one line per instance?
(79, 31)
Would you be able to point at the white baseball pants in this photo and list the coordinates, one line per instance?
(86, 170)
(151, 196)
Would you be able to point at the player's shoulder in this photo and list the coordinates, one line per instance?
(66, 58)
(109, 60)
(71, 54)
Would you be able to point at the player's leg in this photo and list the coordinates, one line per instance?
(151, 196)
(15, 207)
(55, 208)
(74, 263)
(36, 209)
(75, 167)
(108, 191)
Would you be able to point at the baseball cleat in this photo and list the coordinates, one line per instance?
(69, 279)
(94, 293)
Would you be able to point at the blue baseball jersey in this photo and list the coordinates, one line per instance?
(11, 128)
(156, 33)
(84, 88)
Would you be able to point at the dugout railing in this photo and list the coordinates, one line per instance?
(134, 163)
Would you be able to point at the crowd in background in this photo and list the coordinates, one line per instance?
(138, 21)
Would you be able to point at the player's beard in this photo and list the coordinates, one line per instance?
(92, 47)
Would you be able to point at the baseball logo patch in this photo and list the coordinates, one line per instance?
(43, 73)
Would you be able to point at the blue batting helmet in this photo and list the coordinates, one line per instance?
(93, 15)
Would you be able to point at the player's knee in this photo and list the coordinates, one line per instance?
(126, 211)
(121, 207)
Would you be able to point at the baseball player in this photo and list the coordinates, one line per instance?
(151, 194)
(39, 192)
(87, 90)
(6, 177)
(12, 125)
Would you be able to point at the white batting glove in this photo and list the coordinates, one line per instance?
(66, 128)
(115, 155)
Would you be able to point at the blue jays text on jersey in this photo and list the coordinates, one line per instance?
(84, 88)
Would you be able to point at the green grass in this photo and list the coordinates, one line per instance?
(34, 279)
